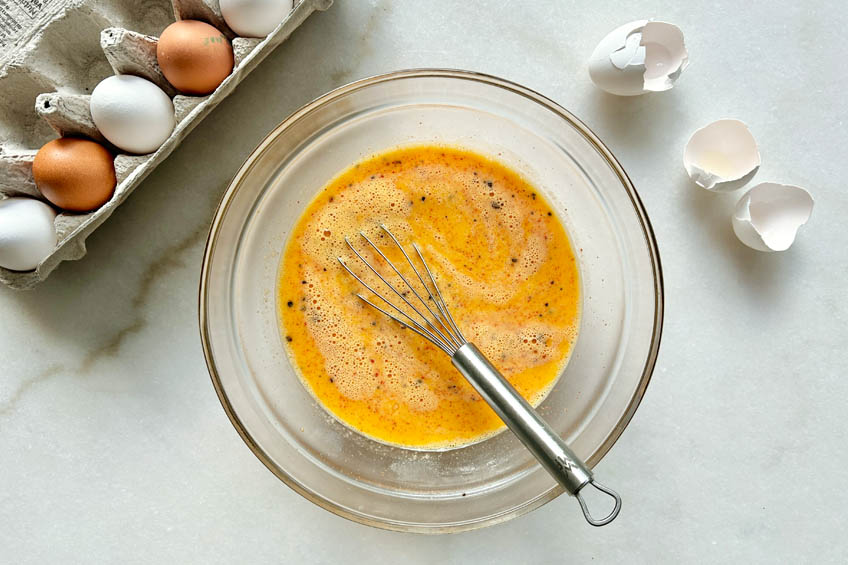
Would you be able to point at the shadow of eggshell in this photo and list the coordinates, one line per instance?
(74, 174)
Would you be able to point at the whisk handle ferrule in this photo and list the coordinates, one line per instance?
(551, 451)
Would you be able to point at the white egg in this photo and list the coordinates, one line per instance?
(768, 216)
(639, 57)
(133, 113)
(722, 156)
(27, 234)
(255, 18)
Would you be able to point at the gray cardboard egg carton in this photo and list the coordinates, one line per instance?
(46, 79)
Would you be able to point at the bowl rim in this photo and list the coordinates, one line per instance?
(233, 187)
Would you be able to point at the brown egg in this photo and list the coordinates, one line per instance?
(75, 174)
(194, 56)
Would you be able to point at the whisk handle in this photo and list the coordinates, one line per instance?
(545, 444)
(522, 419)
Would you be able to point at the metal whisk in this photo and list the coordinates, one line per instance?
(434, 323)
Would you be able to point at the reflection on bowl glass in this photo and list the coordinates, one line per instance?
(385, 485)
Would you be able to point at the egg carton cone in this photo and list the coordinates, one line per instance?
(52, 55)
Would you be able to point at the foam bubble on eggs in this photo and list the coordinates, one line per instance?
(255, 18)
(74, 174)
(194, 56)
(639, 57)
(132, 113)
(768, 216)
(27, 234)
(722, 156)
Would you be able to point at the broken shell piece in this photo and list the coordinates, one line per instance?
(722, 156)
(639, 57)
(768, 216)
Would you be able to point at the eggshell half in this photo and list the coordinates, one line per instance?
(27, 234)
(768, 216)
(722, 156)
(638, 57)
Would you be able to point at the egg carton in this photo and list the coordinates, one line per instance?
(54, 64)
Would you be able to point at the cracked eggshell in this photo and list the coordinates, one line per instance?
(768, 216)
(27, 234)
(639, 57)
(722, 156)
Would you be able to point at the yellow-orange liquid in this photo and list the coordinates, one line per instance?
(504, 265)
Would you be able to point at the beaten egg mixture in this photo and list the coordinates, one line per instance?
(504, 265)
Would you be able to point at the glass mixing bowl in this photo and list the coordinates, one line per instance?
(391, 487)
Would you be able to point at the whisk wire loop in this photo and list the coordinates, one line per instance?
(437, 328)
(440, 303)
(420, 330)
(415, 326)
(450, 328)
(448, 337)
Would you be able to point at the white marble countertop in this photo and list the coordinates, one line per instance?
(114, 448)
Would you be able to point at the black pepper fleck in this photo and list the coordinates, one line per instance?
(489, 183)
(496, 205)
(289, 303)
(423, 198)
(514, 260)
(288, 338)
